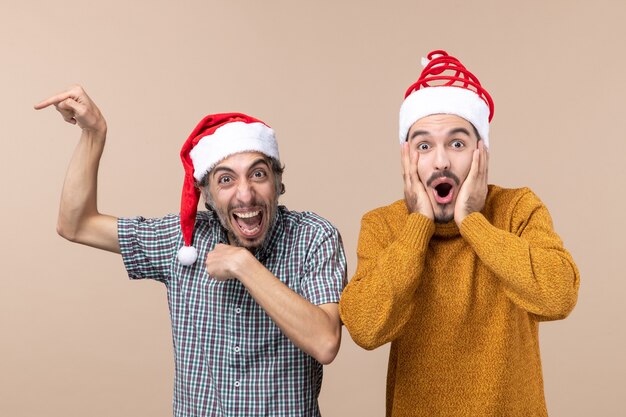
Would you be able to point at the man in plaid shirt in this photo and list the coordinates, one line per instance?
(253, 323)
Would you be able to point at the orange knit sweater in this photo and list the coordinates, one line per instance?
(461, 306)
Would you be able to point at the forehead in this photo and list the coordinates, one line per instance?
(441, 124)
(240, 161)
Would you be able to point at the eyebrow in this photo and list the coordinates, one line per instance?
(232, 171)
(418, 133)
(450, 133)
(259, 161)
(459, 130)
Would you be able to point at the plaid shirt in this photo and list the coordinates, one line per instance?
(231, 359)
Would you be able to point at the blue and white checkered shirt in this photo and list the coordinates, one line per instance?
(231, 359)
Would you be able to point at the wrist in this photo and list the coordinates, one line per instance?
(245, 262)
(95, 135)
(427, 213)
(98, 129)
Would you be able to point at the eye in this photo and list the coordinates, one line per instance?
(423, 146)
(457, 144)
(224, 180)
(259, 174)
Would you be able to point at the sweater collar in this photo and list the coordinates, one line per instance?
(449, 229)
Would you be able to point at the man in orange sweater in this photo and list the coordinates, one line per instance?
(458, 274)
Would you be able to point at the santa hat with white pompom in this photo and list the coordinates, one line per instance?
(445, 86)
(216, 137)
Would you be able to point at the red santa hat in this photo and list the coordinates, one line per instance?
(216, 137)
(445, 86)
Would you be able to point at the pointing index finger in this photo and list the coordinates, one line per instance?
(53, 100)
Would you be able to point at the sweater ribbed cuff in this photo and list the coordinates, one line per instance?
(475, 227)
(417, 232)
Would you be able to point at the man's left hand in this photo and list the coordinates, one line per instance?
(225, 262)
(473, 192)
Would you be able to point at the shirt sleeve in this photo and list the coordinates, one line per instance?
(148, 246)
(325, 270)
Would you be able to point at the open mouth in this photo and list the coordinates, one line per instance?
(443, 190)
(249, 222)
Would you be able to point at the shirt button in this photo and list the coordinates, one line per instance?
(237, 384)
(238, 310)
(237, 349)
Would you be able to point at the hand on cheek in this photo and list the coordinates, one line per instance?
(473, 192)
(415, 195)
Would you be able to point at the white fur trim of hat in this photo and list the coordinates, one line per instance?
(229, 139)
(445, 100)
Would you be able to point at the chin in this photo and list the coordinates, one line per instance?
(443, 217)
(251, 244)
(238, 240)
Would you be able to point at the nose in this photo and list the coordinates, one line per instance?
(442, 161)
(245, 192)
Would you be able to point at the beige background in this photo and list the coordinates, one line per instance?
(79, 339)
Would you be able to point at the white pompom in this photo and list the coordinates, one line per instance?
(187, 255)
(425, 62)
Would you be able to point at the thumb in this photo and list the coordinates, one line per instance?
(73, 111)
(67, 108)
(68, 105)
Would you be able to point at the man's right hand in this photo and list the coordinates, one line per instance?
(77, 108)
(415, 196)
(79, 219)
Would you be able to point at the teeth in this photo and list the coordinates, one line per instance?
(247, 215)
(250, 231)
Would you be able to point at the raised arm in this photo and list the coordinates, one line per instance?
(538, 274)
(79, 220)
(379, 300)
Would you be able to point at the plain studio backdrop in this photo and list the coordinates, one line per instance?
(78, 338)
